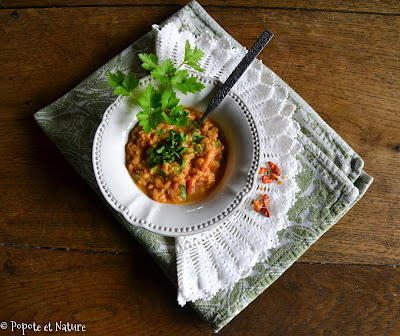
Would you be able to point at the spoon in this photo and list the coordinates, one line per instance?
(259, 45)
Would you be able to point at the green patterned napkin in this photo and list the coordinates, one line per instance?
(331, 180)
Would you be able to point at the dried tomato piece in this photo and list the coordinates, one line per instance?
(274, 168)
(266, 179)
(273, 176)
(265, 212)
(257, 205)
(262, 170)
(265, 200)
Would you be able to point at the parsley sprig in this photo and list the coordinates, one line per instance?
(161, 105)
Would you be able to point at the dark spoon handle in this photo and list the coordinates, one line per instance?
(238, 72)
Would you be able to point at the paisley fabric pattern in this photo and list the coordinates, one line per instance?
(331, 180)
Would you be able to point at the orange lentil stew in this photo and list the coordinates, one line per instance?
(177, 164)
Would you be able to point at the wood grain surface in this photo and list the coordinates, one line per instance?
(129, 295)
(64, 256)
(385, 7)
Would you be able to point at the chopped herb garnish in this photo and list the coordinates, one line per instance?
(196, 123)
(161, 131)
(170, 150)
(161, 172)
(183, 192)
(183, 165)
(197, 137)
(216, 143)
(137, 177)
(198, 149)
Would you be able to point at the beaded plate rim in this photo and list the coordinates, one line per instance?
(165, 229)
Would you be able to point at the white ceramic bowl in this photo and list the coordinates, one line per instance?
(138, 209)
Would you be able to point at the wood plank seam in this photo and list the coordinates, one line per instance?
(212, 6)
(140, 254)
(69, 249)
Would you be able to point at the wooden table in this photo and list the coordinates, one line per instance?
(64, 257)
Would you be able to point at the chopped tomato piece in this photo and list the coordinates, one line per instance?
(190, 185)
(207, 160)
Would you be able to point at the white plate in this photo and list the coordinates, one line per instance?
(138, 209)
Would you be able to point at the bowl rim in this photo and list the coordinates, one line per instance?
(237, 201)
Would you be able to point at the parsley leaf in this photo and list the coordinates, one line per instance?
(168, 99)
(131, 82)
(193, 58)
(162, 72)
(150, 99)
(151, 116)
(183, 192)
(161, 131)
(124, 85)
(156, 104)
(179, 77)
(116, 79)
(150, 121)
(150, 61)
(184, 84)
(177, 116)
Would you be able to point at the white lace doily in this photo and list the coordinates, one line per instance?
(218, 258)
